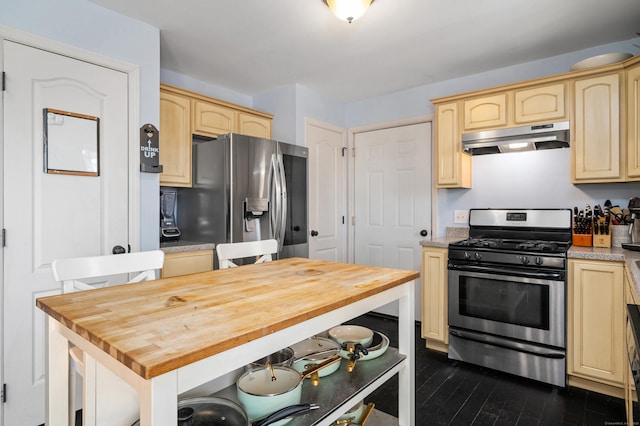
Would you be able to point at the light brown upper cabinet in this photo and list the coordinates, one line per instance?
(184, 114)
(538, 104)
(175, 132)
(486, 112)
(601, 103)
(516, 107)
(595, 128)
(605, 135)
(253, 125)
(211, 119)
(633, 121)
(453, 167)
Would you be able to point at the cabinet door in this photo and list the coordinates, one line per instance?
(630, 394)
(596, 130)
(546, 103)
(596, 322)
(435, 328)
(175, 139)
(253, 125)
(633, 121)
(212, 120)
(453, 166)
(190, 262)
(486, 112)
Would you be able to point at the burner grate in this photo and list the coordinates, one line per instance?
(538, 246)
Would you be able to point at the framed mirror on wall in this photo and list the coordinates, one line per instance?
(71, 143)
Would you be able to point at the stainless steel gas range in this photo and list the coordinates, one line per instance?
(507, 292)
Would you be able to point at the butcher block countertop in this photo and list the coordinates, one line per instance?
(158, 326)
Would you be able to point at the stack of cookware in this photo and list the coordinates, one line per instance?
(269, 390)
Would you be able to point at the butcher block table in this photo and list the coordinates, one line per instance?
(168, 336)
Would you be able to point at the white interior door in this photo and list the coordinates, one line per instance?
(49, 216)
(392, 197)
(327, 191)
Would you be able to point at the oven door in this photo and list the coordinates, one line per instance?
(528, 308)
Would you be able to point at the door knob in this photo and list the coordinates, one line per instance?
(424, 233)
(314, 233)
(118, 250)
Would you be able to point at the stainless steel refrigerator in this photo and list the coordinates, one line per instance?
(246, 189)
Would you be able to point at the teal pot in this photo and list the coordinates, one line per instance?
(265, 390)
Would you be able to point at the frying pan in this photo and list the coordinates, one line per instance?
(215, 411)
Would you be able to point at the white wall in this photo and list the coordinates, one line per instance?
(528, 180)
(292, 104)
(88, 26)
(185, 82)
(282, 100)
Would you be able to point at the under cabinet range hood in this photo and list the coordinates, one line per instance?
(516, 139)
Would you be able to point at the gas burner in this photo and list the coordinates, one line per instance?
(481, 242)
(537, 246)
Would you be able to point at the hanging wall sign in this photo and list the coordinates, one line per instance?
(71, 143)
(150, 149)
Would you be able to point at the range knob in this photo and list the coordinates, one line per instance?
(524, 260)
(478, 256)
(538, 260)
(467, 256)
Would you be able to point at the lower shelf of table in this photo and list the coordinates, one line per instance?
(340, 391)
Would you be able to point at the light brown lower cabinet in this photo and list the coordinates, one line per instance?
(190, 262)
(435, 327)
(596, 316)
(630, 394)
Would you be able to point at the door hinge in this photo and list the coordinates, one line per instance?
(343, 220)
(4, 392)
(3, 81)
(353, 152)
(4, 237)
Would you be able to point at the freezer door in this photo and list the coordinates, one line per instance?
(294, 241)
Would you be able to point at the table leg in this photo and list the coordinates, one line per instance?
(57, 379)
(159, 401)
(89, 386)
(406, 345)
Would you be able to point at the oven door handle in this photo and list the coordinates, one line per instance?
(556, 276)
(520, 347)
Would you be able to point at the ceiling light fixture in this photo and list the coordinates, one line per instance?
(348, 10)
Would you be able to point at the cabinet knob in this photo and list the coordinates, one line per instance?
(314, 233)
(424, 233)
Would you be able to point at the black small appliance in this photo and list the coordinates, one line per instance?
(168, 229)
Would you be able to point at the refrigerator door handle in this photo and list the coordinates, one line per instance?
(283, 204)
(275, 201)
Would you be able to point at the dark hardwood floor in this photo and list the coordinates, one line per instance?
(455, 393)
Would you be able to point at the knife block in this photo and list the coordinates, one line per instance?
(583, 240)
(602, 240)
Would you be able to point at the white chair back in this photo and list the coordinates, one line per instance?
(74, 273)
(89, 273)
(261, 250)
